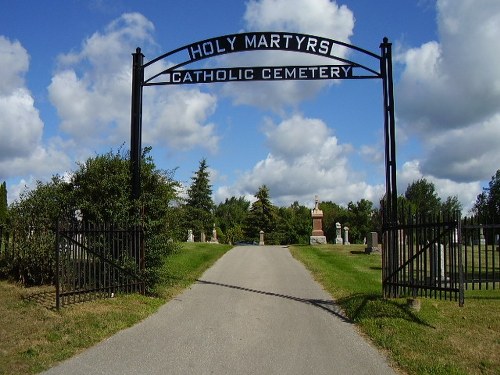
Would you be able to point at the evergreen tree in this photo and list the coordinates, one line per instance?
(199, 204)
(262, 215)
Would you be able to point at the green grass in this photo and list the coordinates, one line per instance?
(35, 336)
(441, 338)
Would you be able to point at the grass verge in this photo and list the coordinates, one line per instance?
(441, 338)
(35, 336)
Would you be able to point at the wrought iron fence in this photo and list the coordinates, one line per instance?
(422, 257)
(481, 243)
(26, 253)
(97, 260)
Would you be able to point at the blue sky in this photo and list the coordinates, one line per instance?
(65, 95)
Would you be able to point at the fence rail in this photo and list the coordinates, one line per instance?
(95, 261)
(481, 248)
(423, 257)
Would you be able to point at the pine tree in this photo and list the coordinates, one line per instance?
(199, 205)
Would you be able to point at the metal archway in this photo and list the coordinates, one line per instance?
(375, 67)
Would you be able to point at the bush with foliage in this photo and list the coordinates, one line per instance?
(100, 190)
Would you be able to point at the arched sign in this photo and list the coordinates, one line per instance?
(370, 66)
(261, 41)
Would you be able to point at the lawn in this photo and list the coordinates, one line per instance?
(441, 338)
(35, 336)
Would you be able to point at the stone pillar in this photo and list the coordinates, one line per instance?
(214, 236)
(437, 263)
(261, 238)
(346, 235)
(317, 235)
(338, 238)
(190, 236)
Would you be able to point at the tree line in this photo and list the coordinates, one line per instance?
(100, 190)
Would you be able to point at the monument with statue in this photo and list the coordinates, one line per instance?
(317, 235)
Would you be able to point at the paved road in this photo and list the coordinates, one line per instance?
(256, 311)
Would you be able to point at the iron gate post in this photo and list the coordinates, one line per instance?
(136, 124)
(58, 265)
(390, 216)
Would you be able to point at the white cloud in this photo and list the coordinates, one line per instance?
(318, 17)
(14, 60)
(449, 93)
(20, 124)
(323, 18)
(305, 159)
(178, 118)
(92, 91)
(465, 191)
(22, 152)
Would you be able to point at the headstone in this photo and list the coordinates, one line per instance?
(202, 237)
(372, 243)
(261, 238)
(482, 240)
(346, 235)
(317, 236)
(214, 236)
(190, 236)
(338, 238)
(437, 263)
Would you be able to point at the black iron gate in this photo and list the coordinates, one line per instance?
(95, 261)
(426, 258)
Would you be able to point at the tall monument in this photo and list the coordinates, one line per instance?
(317, 235)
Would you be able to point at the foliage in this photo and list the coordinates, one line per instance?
(199, 204)
(230, 217)
(31, 223)
(422, 197)
(100, 190)
(332, 213)
(362, 220)
(293, 224)
(262, 216)
(487, 205)
(423, 200)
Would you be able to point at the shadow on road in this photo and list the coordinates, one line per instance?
(328, 305)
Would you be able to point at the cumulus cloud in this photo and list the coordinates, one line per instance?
(449, 92)
(323, 18)
(92, 89)
(15, 63)
(22, 152)
(20, 124)
(466, 192)
(305, 159)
